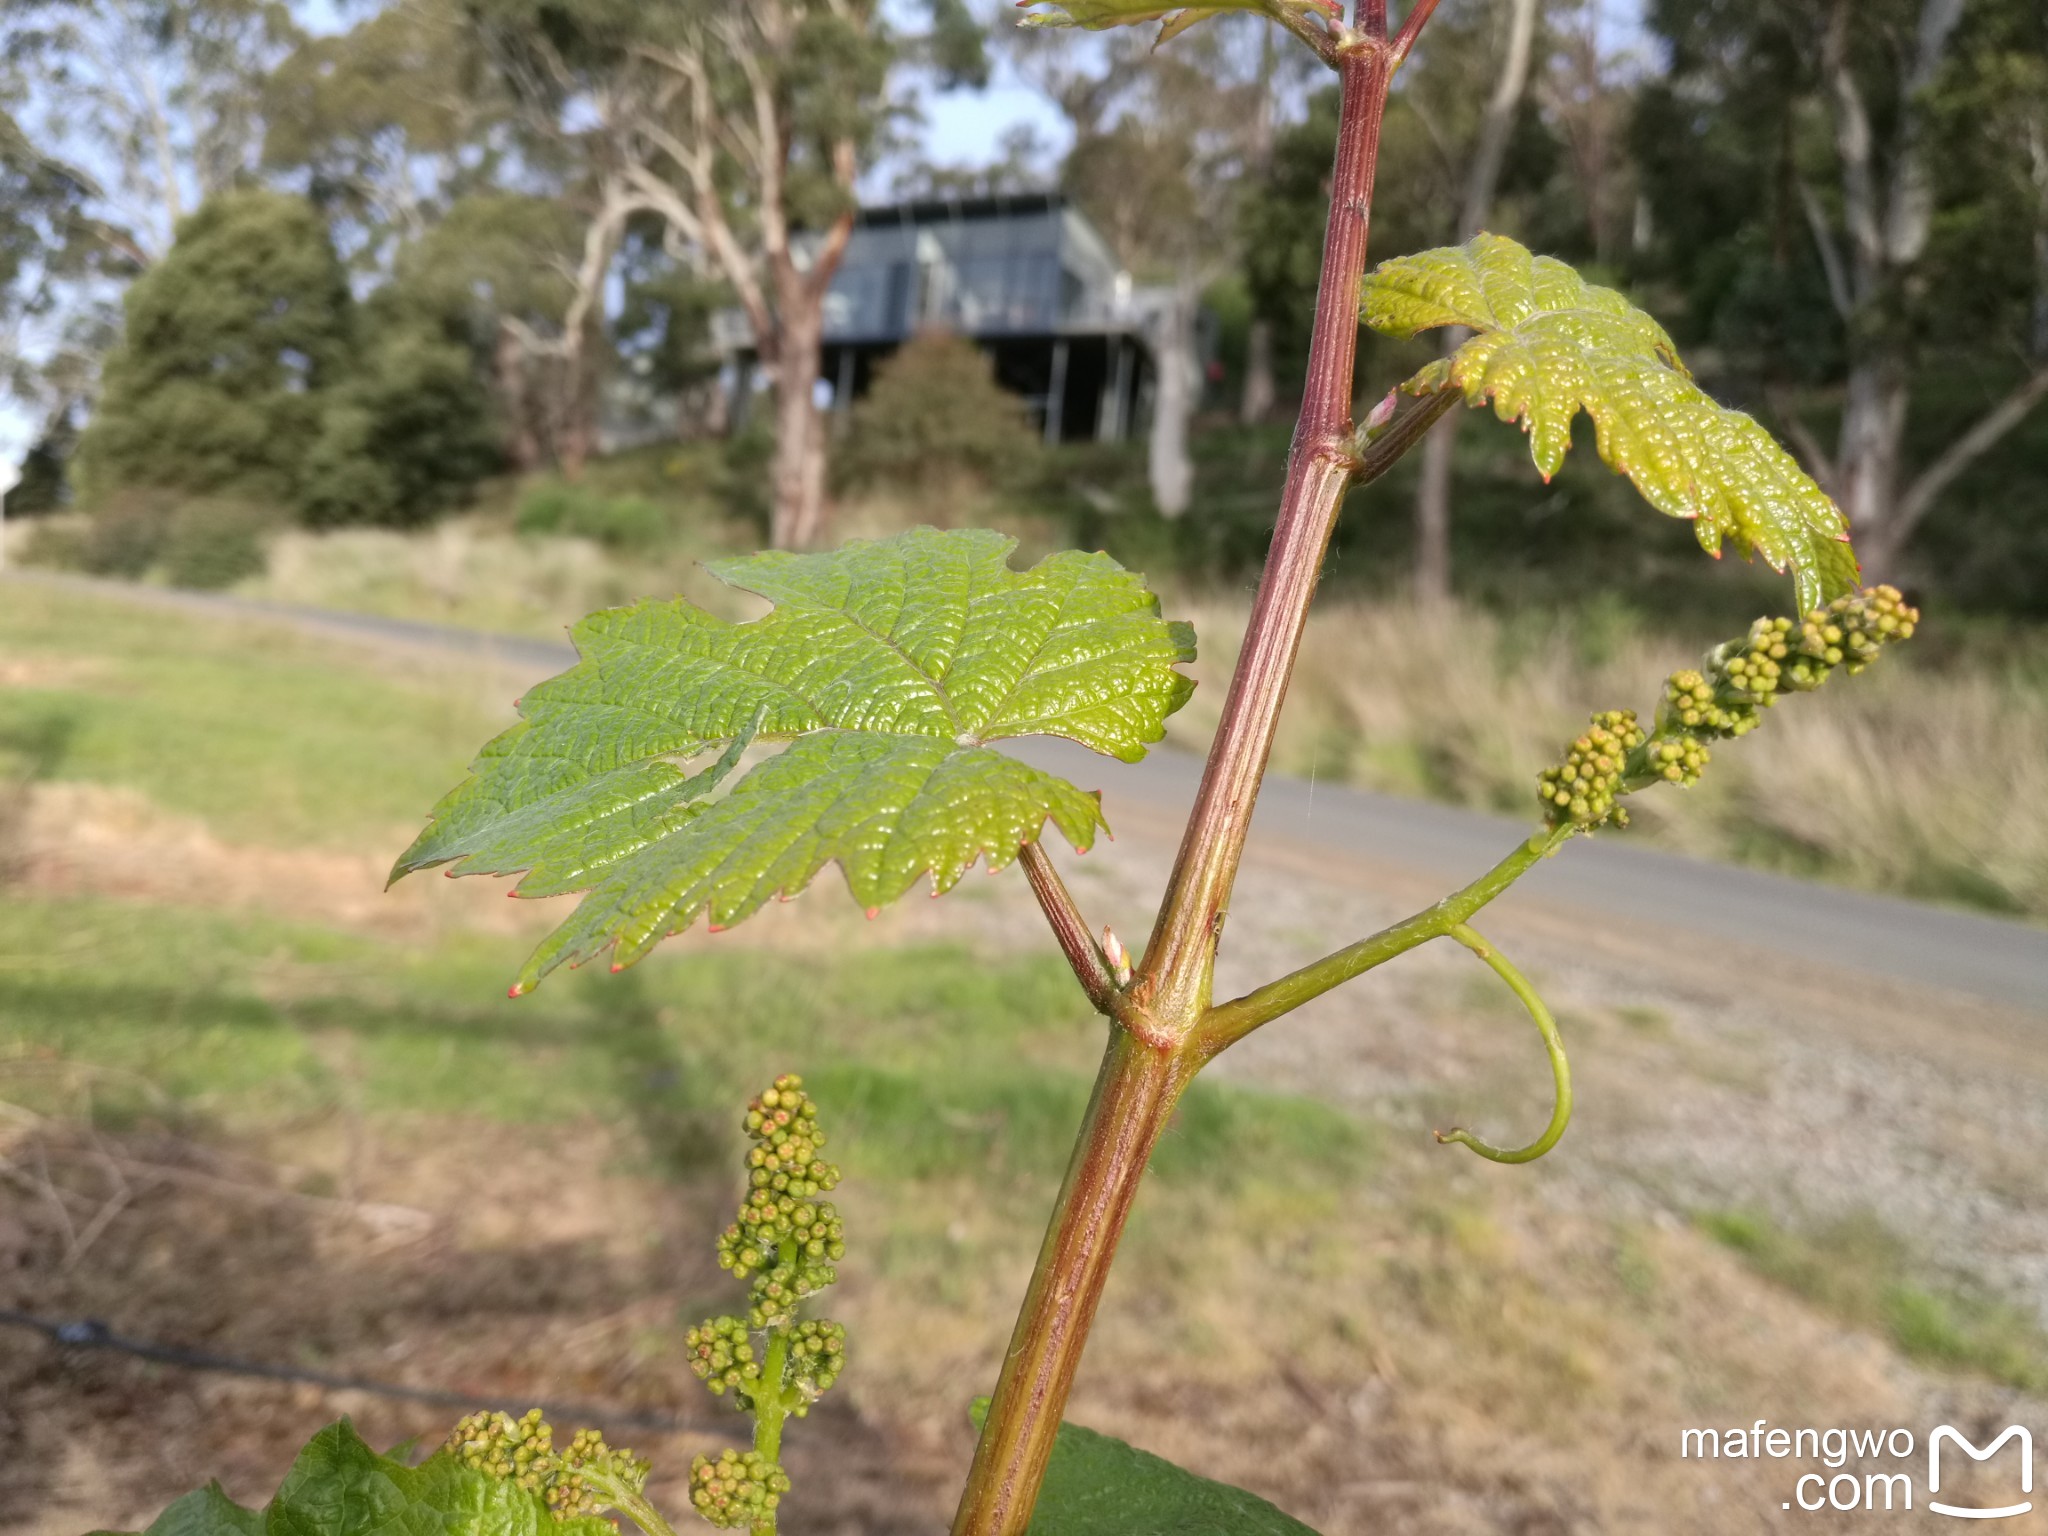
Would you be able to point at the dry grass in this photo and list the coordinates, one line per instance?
(1926, 780)
(473, 572)
(1921, 779)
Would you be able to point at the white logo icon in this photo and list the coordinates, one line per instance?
(1947, 1432)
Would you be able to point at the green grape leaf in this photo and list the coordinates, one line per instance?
(204, 1512)
(1547, 344)
(889, 666)
(340, 1487)
(1098, 1486)
(1098, 15)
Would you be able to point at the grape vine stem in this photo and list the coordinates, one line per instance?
(1156, 1044)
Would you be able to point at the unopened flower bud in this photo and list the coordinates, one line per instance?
(1118, 957)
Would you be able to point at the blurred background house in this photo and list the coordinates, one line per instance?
(1025, 276)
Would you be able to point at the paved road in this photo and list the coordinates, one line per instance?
(1689, 900)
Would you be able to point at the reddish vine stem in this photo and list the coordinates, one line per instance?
(1184, 937)
(1153, 1052)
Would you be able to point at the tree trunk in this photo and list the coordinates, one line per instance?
(575, 429)
(797, 514)
(1433, 506)
(1167, 464)
(522, 447)
(1257, 404)
(1867, 463)
(2037, 156)
(1433, 493)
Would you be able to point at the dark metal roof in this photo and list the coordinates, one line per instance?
(948, 210)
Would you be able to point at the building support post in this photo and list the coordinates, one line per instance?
(842, 392)
(1114, 415)
(1056, 393)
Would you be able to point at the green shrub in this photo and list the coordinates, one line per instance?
(618, 522)
(125, 534)
(58, 542)
(231, 344)
(937, 418)
(213, 543)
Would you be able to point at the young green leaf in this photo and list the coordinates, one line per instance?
(1098, 1486)
(1547, 344)
(890, 666)
(204, 1512)
(340, 1487)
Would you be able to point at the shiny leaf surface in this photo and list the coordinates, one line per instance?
(1546, 345)
(889, 665)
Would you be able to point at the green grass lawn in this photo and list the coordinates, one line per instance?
(267, 736)
(933, 1058)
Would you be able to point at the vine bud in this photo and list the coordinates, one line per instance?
(583, 1479)
(739, 1488)
(721, 1352)
(1118, 957)
(1583, 788)
(817, 1353)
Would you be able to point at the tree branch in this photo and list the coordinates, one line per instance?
(1819, 463)
(770, 150)
(1909, 202)
(1853, 144)
(1830, 252)
(1483, 174)
(825, 260)
(1966, 450)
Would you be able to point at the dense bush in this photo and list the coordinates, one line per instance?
(205, 541)
(230, 345)
(126, 535)
(577, 511)
(936, 418)
(406, 435)
(211, 543)
(247, 370)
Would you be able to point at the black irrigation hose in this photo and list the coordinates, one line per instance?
(91, 1333)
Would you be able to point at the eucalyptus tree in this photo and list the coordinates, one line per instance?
(1843, 149)
(1488, 155)
(155, 100)
(1165, 141)
(745, 129)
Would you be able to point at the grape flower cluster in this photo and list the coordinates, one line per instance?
(784, 1243)
(785, 1238)
(584, 1478)
(739, 1488)
(1723, 698)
